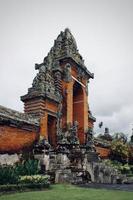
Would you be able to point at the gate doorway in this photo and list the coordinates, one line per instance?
(52, 130)
(78, 109)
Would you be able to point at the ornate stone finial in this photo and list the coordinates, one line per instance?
(64, 46)
(70, 36)
(67, 30)
(106, 130)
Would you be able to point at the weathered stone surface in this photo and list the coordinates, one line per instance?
(43, 86)
(6, 159)
(65, 47)
(9, 116)
(63, 176)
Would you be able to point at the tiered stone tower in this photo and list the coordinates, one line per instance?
(59, 92)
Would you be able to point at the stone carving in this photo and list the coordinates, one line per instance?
(44, 85)
(73, 139)
(65, 46)
(67, 73)
(47, 82)
(43, 79)
(69, 136)
(39, 82)
(59, 124)
(89, 140)
(42, 146)
(81, 73)
(106, 130)
(56, 65)
(57, 74)
(104, 173)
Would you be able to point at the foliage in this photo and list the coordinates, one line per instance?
(8, 175)
(130, 154)
(65, 192)
(119, 151)
(29, 167)
(35, 179)
(122, 168)
(10, 180)
(120, 137)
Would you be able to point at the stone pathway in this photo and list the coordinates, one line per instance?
(122, 187)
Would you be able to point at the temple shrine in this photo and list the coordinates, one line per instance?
(59, 92)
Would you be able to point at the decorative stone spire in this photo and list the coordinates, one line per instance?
(65, 47)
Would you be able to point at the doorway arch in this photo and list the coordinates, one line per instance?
(51, 124)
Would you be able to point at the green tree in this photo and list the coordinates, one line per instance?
(120, 149)
(120, 137)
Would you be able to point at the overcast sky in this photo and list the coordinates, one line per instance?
(103, 30)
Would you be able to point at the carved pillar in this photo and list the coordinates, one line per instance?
(57, 77)
(57, 81)
(44, 126)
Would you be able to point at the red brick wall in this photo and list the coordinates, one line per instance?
(14, 139)
(103, 152)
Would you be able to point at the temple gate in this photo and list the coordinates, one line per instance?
(59, 92)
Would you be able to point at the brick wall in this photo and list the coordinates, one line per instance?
(14, 139)
(103, 152)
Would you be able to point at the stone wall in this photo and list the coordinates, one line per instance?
(6, 159)
(78, 166)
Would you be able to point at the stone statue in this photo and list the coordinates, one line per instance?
(89, 140)
(72, 133)
(67, 73)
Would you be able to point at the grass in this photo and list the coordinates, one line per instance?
(68, 192)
